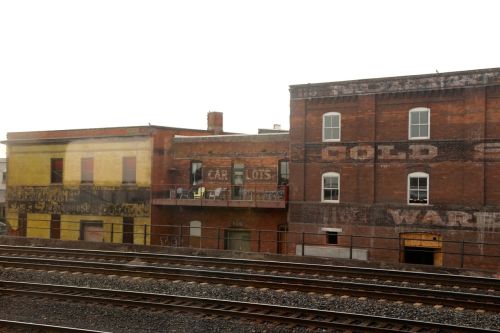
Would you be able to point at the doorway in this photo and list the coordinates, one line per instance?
(91, 231)
(282, 239)
(237, 240)
(421, 248)
(128, 230)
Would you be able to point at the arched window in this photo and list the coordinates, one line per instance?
(418, 188)
(419, 123)
(331, 126)
(330, 189)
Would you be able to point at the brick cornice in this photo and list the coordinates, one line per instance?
(438, 81)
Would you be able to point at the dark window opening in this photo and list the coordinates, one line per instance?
(419, 255)
(55, 226)
(87, 173)
(4, 177)
(238, 181)
(283, 173)
(129, 170)
(196, 177)
(56, 170)
(332, 237)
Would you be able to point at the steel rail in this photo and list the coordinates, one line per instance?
(5, 325)
(357, 289)
(463, 281)
(254, 311)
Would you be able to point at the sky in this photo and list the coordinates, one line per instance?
(83, 64)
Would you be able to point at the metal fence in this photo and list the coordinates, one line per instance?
(447, 253)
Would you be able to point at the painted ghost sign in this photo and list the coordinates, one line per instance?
(103, 201)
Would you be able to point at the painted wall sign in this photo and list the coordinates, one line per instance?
(260, 175)
(316, 213)
(252, 175)
(217, 175)
(399, 152)
(384, 152)
(103, 201)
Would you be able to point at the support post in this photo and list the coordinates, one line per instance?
(350, 247)
(303, 245)
(145, 233)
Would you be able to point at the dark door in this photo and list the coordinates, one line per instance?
(237, 240)
(419, 255)
(23, 224)
(128, 230)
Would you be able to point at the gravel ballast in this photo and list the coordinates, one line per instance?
(126, 318)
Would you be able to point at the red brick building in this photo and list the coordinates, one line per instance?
(226, 191)
(408, 164)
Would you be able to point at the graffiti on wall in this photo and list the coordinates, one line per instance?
(317, 213)
(85, 200)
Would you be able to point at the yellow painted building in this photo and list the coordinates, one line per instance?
(81, 185)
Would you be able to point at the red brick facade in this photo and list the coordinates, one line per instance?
(244, 189)
(375, 156)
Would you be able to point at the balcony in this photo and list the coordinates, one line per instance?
(258, 196)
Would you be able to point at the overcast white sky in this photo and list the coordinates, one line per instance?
(104, 63)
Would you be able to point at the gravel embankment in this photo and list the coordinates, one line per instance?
(128, 318)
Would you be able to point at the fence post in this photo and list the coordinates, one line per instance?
(350, 247)
(462, 254)
(112, 231)
(180, 236)
(218, 238)
(145, 233)
(303, 247)
(258, 240)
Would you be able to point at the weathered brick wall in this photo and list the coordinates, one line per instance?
(218, 153)
(375, 156)
(214, 220)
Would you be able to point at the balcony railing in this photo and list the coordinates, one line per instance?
(255, 195)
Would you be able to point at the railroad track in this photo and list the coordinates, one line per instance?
(356, 289)
(273, 267)
(10, 326)
(311, 318)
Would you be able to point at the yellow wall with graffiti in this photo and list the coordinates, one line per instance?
(30, 170)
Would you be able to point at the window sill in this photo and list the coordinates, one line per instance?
(330, 201)
(418, 204)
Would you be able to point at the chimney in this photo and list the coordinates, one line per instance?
(214, 122)
(277, 127)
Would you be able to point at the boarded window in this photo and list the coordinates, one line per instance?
(56, 170)
(87, 165)
(129, 170)
(55, 226)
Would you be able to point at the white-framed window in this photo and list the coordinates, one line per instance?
(419, 123)
(330, 189)
(331, 126)
(418, 188)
